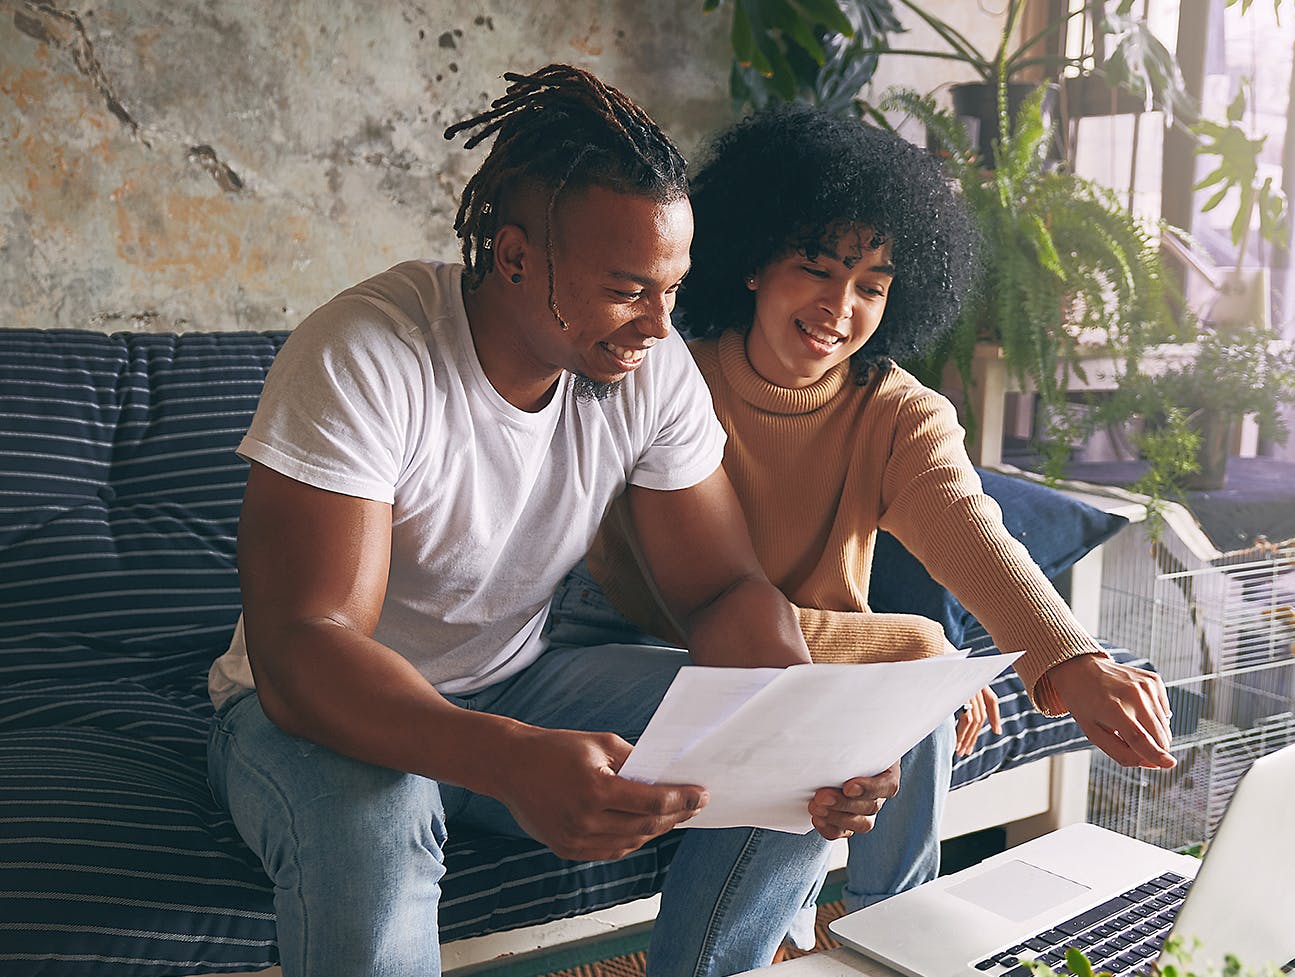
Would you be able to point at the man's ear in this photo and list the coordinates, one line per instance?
(513, 252)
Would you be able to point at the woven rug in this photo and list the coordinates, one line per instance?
(634, 964)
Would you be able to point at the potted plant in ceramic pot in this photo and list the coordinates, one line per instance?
(1243, 293)
(1138, 73)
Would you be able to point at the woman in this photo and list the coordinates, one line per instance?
(824, 251)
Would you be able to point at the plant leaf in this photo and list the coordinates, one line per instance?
(825, 12)
(1140, 63)
(1078, 963)
(1237, 107)
(1214, 201)
(741, 37)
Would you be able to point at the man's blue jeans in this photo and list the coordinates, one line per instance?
(355, 850)
(903, 848)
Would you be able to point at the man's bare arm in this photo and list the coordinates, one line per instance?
(313, 571)
(698, 551)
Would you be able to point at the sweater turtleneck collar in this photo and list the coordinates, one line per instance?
(766, 396)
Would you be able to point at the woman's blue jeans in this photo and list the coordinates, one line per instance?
(355, 850)
(903, 848)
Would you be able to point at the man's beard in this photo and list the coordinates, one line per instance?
(589, 390)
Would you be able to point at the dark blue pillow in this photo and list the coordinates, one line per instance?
(1055, 528)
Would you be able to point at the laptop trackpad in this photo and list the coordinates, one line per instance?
(1017, 890)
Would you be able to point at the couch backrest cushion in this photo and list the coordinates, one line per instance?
(119, 495)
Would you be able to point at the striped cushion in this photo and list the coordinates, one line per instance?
(114, 858)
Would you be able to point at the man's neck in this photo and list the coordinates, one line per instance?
(495, 325)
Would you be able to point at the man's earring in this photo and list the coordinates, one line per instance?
(516, 279)
(750, 282)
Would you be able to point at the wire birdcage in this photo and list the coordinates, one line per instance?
(1222, 635)
(1182, 807)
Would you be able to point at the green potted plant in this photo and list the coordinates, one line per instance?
(1191, 407)
(1136, 74)
(1243, 293)
(816, 51)
(1065, 266)
(824, 51)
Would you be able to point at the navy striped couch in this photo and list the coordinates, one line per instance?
(119, 497)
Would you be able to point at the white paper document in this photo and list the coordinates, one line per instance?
(762, 740)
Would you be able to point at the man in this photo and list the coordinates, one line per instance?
(434, 449)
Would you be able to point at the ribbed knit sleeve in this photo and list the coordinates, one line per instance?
(851, 637)
(933, 503)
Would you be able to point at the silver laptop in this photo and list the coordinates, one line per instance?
(1115, 897)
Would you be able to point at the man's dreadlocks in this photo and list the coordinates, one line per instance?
(560, 128)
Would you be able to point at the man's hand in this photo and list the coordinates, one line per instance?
(561, 786)
(1123, 710)
(980, 707)
(851, 809)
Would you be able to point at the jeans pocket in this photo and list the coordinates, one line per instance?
(580, 614)
(220, 721)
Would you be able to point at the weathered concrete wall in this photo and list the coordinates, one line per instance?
(219, 165)
(225, 164)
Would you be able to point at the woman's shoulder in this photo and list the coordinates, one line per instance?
(912, 406)
(903, 403)
(705, 353)
(896, 386)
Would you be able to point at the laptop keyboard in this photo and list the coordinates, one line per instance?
(1123, 935)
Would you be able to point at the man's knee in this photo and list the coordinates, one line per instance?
(297, 803)
(933, 752)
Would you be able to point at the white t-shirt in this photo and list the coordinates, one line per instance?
(379, 394)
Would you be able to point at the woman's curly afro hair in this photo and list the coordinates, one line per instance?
(791, 179)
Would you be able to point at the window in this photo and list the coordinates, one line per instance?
(1219, 50)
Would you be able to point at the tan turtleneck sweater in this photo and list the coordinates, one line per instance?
(818, 470)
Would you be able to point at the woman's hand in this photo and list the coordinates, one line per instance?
(983, 705)
(1124, 711)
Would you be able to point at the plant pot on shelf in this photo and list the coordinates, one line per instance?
(1215, 430)
(1092, 96)
(1050, 240)
(1244, 298)
(976, 106)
